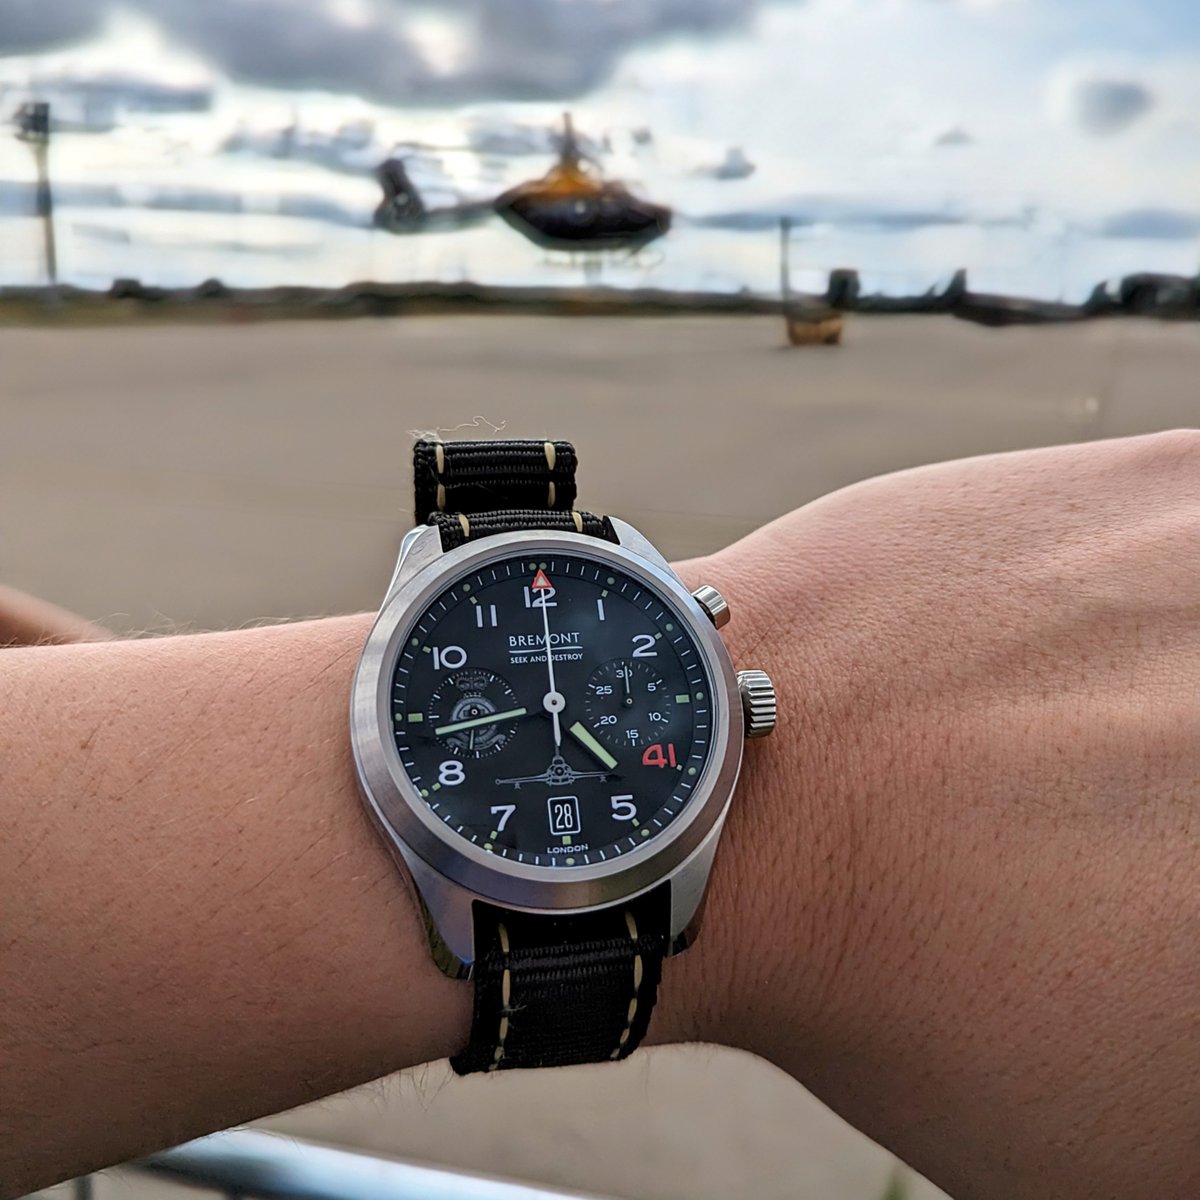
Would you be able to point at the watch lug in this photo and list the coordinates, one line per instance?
(420, 547)
(447, 912)
(689, 887)
(637, 543)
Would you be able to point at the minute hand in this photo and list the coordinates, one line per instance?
(553, 701)
(476, 722)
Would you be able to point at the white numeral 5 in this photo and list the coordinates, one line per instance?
(623, 808)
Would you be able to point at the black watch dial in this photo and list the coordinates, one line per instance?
(562, 763)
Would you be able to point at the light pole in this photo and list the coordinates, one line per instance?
(33, 126)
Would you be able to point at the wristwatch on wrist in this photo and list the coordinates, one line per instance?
(548, 731)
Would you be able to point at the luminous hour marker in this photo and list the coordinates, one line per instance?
(415, 718)
(600, 606)
(684, 699)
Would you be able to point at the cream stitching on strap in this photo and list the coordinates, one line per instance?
(550, 498)
(631, 925)
(578, 521)
(466, 528)
(550, 454)
(440, 460)
(505, 998)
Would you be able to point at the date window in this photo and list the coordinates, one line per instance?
(564, 815)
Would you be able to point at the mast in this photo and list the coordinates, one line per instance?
(33, 126)
(785, 272)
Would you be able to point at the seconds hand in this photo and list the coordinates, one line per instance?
(554, 702)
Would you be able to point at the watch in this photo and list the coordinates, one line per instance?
(548, 731)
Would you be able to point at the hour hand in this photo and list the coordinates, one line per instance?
(585, 738)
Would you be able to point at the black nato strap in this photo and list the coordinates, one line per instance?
(471, 490)
(550, 991)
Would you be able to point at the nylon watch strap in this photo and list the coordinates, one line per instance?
(550, 990)
(471, 490)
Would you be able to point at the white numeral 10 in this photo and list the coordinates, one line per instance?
(449, 658)
(623, 808)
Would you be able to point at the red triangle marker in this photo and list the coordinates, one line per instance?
(540, 583)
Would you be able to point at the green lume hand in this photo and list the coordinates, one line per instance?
(585, 738)
(476, 722)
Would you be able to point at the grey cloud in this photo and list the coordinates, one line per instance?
(1108, 106)
(27, 26)
(517, 49)
(297, 44)
(557, 48)
(1159, 224)
(954, 137)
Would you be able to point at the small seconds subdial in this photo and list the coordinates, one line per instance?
(627, 703)
(474, 713)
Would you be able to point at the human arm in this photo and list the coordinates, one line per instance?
(27, 620)
(956, 896)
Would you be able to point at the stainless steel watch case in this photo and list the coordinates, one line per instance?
(450, 873)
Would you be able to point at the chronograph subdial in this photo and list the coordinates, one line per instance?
(474, 713)
(627, 703)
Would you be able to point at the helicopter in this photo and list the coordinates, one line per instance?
(570, 208)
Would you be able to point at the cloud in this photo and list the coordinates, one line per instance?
(1157, 224)
(299, 44)
(27, 26)
(514, 49)
(957, 136)
(1108, 106)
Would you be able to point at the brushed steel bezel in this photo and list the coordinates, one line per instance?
(406, 819)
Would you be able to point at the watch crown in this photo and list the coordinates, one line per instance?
(758, 702)
(715, 606)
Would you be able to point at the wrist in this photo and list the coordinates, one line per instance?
(763, 974)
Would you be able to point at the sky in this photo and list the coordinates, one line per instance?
(1064, 115)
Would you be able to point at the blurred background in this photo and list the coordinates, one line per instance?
(162, 473)
(1045, 147)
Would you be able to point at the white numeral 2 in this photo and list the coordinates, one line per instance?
(643, 646)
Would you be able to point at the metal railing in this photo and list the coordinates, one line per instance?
(247, 1163)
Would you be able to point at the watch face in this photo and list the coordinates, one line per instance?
(563, 763)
